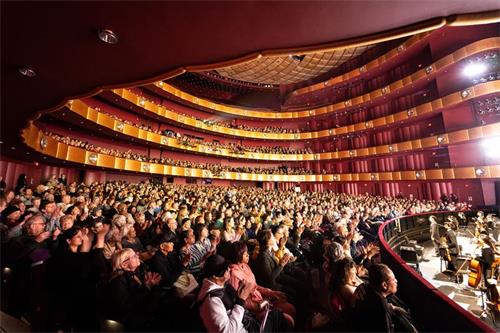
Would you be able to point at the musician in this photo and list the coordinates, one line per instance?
(452, 244)
(487, 256)
(434, 234)
(453, 221)
(463, 219)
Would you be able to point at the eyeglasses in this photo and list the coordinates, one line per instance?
(134, 256)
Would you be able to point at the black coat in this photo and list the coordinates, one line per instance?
(267, 270)
(168, 266)
(131, 302)
(372, 313)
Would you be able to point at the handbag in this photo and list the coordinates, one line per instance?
(185, 284)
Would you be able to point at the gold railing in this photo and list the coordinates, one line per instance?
(399, 117)
(444, 139)
(49, 146)
(425, 73)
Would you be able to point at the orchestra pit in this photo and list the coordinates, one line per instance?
(254, 166)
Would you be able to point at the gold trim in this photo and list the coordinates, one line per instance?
(59, 150)
(424, 73)
(402, 116)
(460, 136)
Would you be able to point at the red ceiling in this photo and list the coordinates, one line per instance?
(58, 40)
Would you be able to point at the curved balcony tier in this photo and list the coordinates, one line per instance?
(398, 118)
(37, 140)
(442, 140)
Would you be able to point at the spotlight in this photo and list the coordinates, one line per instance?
(490, 147)
(474, 69)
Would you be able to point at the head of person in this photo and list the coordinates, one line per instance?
(200, 232)
(228, 223)
(382, 279)
(239, 253)
(186, 223)
(187, 237)
(216, 269)
(126, 260)
(165, 243)
(35, 225)
(266, 240)
(114, 234)
(345, 272)
(48, 207)
(73, 237)
(66, 222)
(11, 214)
(172, 224)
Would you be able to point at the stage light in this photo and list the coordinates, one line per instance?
(474, 69)
(490, 147)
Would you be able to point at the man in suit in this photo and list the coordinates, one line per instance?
(452, 243)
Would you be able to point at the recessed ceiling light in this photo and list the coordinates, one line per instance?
(107, 36)
(27, 71)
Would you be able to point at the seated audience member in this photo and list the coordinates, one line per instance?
(269, 273)
(222, 308)
(185, 250)
(373, 310)
(132, 299)
(343, 285)
(230, 234)
(166, 262)
(72, 276)
(130, 240)
(201, 249)
(240, 271)
(67, 222)
(23, 254)
(12, 222)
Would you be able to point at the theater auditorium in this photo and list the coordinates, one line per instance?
(256, 166)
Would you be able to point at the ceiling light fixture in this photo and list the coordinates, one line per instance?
(107, 36)
(27, 71)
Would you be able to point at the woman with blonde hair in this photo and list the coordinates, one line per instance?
(132, 299)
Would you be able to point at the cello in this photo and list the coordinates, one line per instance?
(475, 273)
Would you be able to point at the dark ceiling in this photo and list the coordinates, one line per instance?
(59, 40)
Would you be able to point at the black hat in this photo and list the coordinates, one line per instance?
(9, 210)
(215, 265)
(165, 238)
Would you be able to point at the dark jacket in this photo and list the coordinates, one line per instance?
(267, 270)
(168, 266)
(372, 313)
(131, 302)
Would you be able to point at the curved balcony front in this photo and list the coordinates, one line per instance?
(442, 140)
(49, 146)
(399, 118)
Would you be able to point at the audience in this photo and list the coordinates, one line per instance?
(123, 251)
(215, 169)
